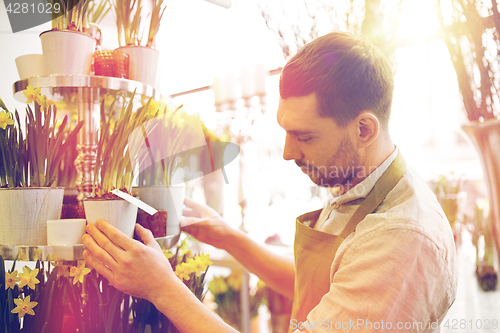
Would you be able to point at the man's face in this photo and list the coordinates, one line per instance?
(322, 149)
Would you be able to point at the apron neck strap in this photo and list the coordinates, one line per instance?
(383, 186)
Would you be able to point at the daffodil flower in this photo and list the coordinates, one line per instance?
(28, 278)
(62, 270)
(31, 94)
(168, 254)
(43, 101)
(205, 259)
(218, 285)
(11, 279)
(183, 271)
(197, 265)
(5, 119)
(79, 272)
(24, 307)
(234, 280)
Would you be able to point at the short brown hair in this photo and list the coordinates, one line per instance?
(347, 73)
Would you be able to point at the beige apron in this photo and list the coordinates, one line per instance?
(315, 250)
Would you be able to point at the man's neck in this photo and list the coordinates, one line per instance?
(374, 156)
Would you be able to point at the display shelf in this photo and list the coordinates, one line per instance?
(66, 253)
(83, 93)
(52, 85)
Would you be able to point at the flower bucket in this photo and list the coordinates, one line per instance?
(143, 63)
(117, 212)
(67, 52)
(30, 65)
(24, 214)
(169, 198)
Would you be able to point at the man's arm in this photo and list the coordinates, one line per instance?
(206, 225)
(141, 270)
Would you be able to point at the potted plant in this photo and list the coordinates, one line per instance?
(143, 59)
(162, 156)
(28, 172)
(114, 170)
(67, 48)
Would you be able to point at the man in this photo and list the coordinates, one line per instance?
(379, 256)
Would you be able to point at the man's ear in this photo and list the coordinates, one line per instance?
(366, 127)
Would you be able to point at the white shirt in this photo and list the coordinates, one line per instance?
(397, 271)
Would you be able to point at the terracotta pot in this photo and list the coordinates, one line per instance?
(24, 214)
(67, 52)
(117, 212)
(485, 137)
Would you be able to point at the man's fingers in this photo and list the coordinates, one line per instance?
(145, 236)
(96, 249)
(116, 236)
(97, 265)
(187, 221)
(190, 212)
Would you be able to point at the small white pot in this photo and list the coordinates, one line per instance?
(117, 212)
(65, 231)
(143, 63)
(24, 214)
(30, 65)
(169, 198)
(67, 52)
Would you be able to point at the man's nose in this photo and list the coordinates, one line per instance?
(291, 151)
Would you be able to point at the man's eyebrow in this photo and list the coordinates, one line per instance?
(301, 132)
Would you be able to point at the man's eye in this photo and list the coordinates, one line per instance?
(304, 139)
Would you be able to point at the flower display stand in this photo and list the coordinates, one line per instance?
(88, 88)
(66, 253)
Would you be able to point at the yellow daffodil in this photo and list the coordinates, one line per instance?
(218, 285)
(205, 259)
(168, 254)
(197, 265)
(62, 270)
(5, 119)
(79, 271)
(24, 306)
(11, 279)
(37, 254)
(31, 94)
(234, 280)
(183, 271)
(183, 248)
(28, 278)
(43, 101)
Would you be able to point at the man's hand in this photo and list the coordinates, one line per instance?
(130, 266)
(205, 224)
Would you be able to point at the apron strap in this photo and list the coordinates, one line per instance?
(384, 185)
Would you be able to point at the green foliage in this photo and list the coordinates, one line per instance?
(34, 160)
(74, 14)
(113, 168)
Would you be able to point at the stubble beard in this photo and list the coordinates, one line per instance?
(340, 169)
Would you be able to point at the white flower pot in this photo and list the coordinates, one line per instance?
(143, 63)
(117, 212)
(30, 65)
(169, 198)
(67, 52)
(24, 214)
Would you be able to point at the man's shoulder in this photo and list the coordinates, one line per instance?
(411, 205)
